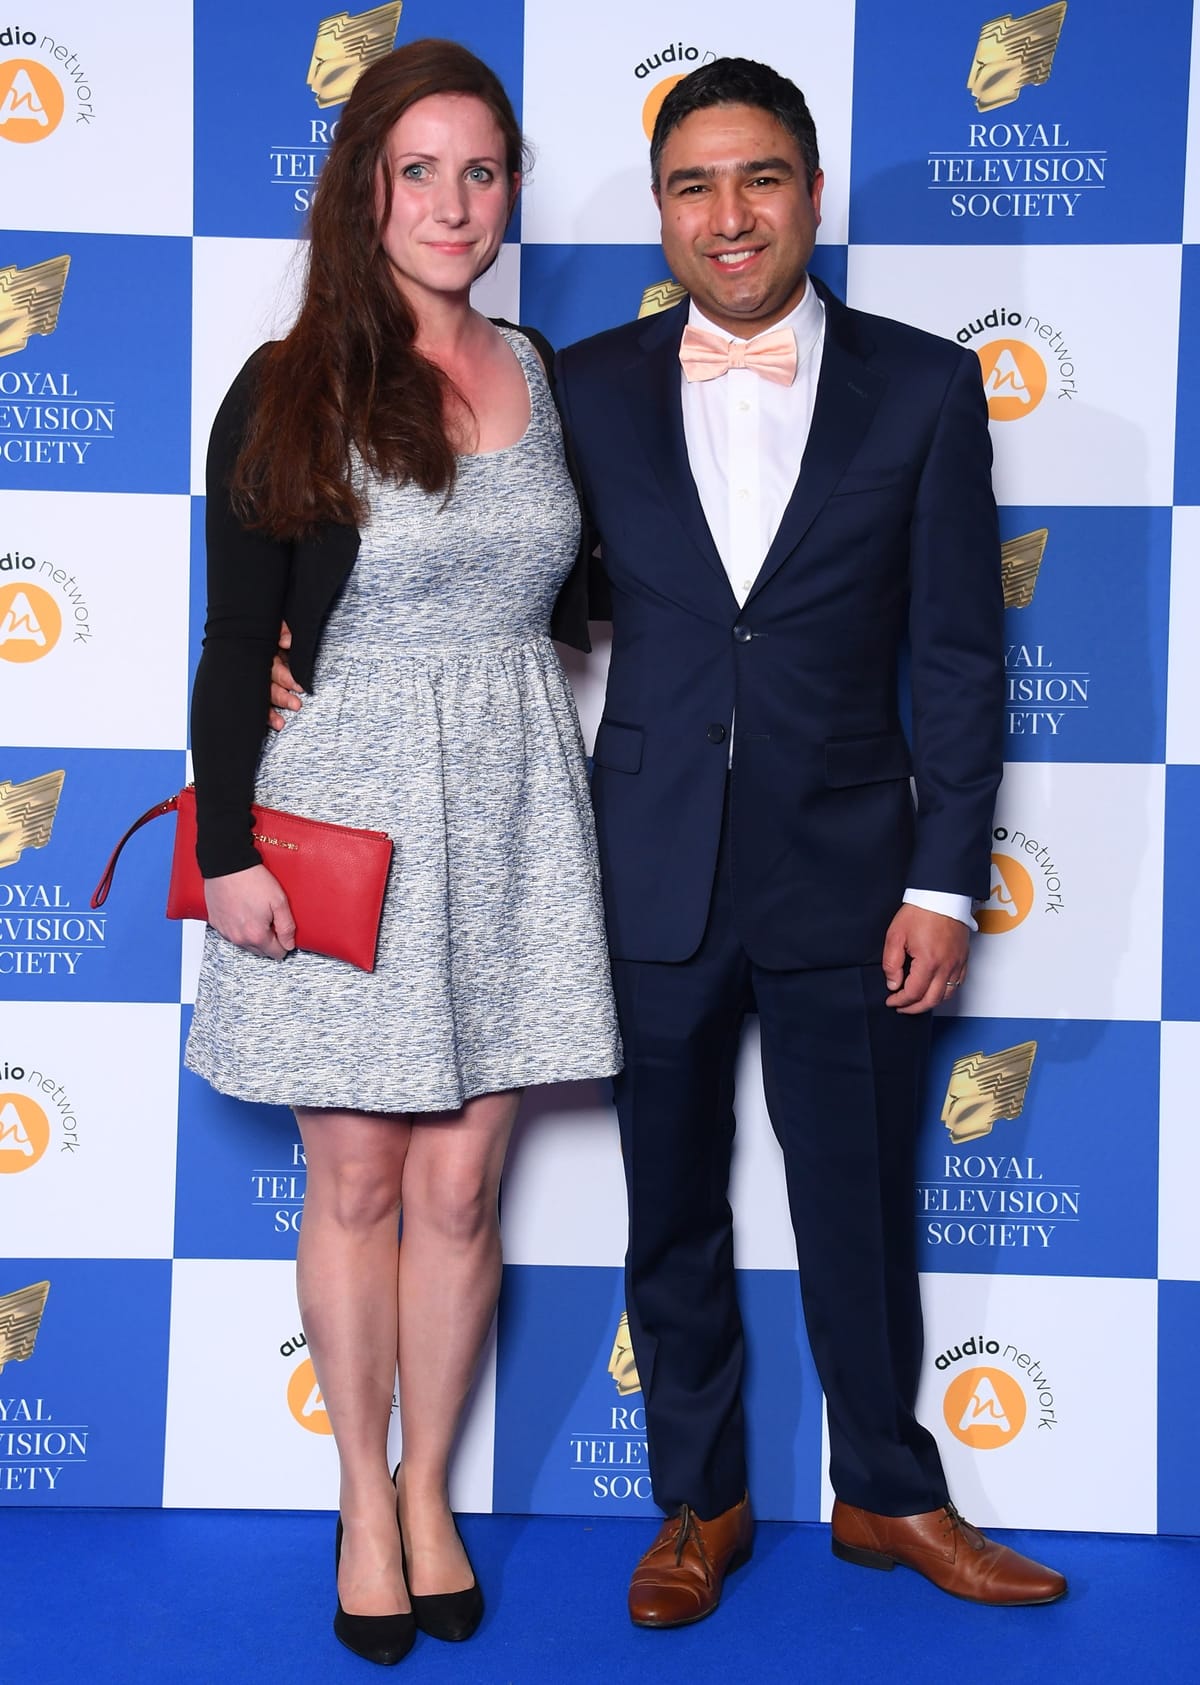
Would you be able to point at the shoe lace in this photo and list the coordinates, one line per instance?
(953, 1522)
(690, 1532)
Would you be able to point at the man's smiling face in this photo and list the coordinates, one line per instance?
(739, 220)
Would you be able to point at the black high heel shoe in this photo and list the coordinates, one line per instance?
(385, 1639)
(449, 1615)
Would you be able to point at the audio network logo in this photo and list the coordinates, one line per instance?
(33, 99)
(1014, 891)
(24, 1133)
(988, 1404)
(345, 46)
(1016, 170)
(1020, 368)
(40, 936)
(25, 1130)
(677, 58)
(304, 1398)
(30, 623)
(32, 617)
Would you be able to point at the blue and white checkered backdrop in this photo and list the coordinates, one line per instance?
(1043, 209)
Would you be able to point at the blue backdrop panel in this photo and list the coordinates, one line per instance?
(83, 1415)
(53, 946)
(567, 1439)
(1035, 1197)
(1181, 931)
(1187, 419)
(240, 1180)
(102, 404)
(256, 174)
(1178, 1388)
(1087, 659)
(1057, 166)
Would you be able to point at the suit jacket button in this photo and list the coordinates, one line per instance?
(716, 734)
(742, 634)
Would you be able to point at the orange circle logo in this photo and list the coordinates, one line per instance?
(985, 1408)
(1014, 378)
(24, 1133)
(305, 1401)
(1010, 899)
(31, 100)
(30, 623)
(654, 101)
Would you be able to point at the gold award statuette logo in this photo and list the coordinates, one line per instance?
(31, 101)
(1014, 53)
(344, 48)
(20, 1319)
(622, 1365)
(985, 1087)
(27, 814)
(661, 296)
(24, 1133)
(29, 302)
(1020, 564)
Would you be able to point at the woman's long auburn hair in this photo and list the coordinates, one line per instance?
(348, 372)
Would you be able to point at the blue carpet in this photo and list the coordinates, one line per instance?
(145, 1597)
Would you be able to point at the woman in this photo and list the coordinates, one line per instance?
(390, 479)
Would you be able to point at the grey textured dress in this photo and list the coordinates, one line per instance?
(439, 713)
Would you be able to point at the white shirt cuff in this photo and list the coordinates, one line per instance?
(940, 901)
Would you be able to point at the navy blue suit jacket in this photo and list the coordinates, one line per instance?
(890, 535)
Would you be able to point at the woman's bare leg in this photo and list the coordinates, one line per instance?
(346, 1282)
(449, 1280)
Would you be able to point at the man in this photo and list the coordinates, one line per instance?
(772, 535)
(777, 517)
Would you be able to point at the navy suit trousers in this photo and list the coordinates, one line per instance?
(842, 1076)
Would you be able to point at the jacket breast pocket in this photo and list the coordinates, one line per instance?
(866, 760)
(618, 747)
(857, 482)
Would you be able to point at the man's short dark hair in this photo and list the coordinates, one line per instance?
(732, 81)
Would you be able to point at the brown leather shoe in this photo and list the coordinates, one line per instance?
(679, 1579)
(948, 1551)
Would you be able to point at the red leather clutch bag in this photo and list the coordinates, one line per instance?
(334, 876)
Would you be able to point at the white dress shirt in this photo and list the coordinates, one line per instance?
(746, 438)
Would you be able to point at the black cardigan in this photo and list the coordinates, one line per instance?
(255, 582)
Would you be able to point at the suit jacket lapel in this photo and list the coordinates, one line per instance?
(652, 387)
(848, 393)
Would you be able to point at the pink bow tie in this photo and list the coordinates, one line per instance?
(706, 356)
